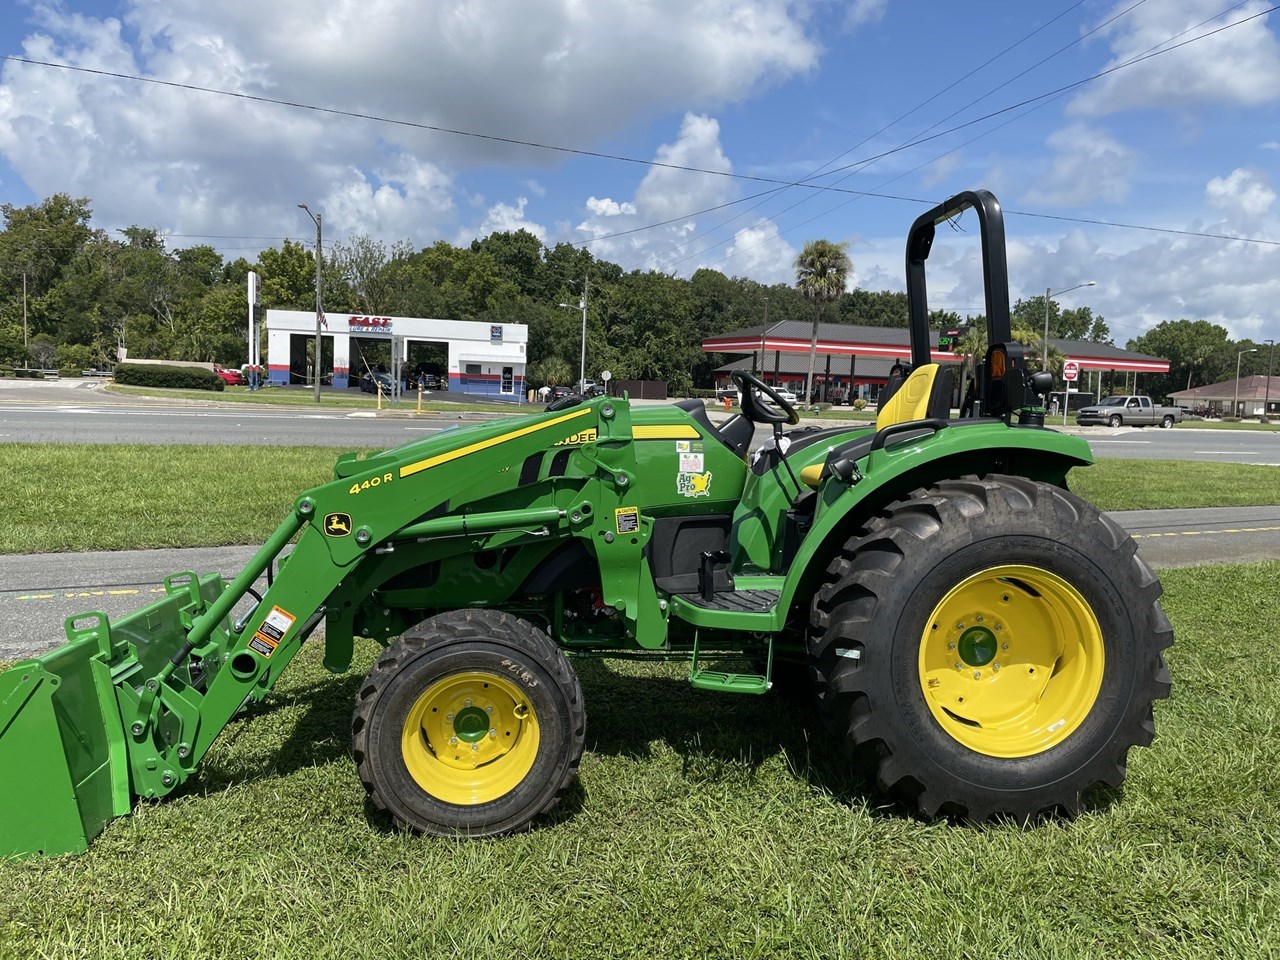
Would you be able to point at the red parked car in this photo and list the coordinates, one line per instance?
(232, 377)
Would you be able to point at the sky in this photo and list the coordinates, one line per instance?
(904, 103)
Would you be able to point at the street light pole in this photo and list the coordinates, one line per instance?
(1235, 404)
(1267, 402)
(582, 305)
(1044, 355)
(318, 218)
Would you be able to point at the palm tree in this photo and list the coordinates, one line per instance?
(821, 271)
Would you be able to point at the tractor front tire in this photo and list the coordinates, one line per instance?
(471, 723)
(990, 648)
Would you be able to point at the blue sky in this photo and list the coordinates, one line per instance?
(1186, 141)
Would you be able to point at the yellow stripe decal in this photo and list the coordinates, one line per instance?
(665, 431)
(430, 462)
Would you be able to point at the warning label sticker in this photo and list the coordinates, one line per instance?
(277, 624)
(682, 446)
(262, 644)
(627, 519)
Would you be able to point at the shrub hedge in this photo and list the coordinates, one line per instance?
(185, 378)
(66, 372)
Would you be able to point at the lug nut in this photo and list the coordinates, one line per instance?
(995, 666)
(493, 732)
(977, 674)
(448, 716)
(467, 702)
(475, 746)
(453, 741)
(488, 709)
(951, 646)
(137, 729)
(978, 618)
(959, 626)
(1004, 646)
(959, 665)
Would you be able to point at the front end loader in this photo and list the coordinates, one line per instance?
(980, 640)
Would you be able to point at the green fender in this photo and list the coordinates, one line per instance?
(971, 447)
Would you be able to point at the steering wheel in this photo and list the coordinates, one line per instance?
(752, 408)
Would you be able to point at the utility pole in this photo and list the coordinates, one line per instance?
(319, 309)
(1267, 402)
(582, 305)
(24, 311)
(1235, 404)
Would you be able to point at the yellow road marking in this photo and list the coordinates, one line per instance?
(85, 593)
(1197, 533)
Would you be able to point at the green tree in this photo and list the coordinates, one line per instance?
(1199, 352)
(821, 270)
(551, 371)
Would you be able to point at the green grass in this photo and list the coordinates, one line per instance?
(303, 398)
(1122, 484)
(701, 826)
(118, 497)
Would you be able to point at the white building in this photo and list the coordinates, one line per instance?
(483, 358)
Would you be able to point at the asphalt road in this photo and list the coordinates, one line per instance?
(80, 412)
(41, 590)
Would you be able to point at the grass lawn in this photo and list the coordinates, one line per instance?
(118, 497)
(303, 398)
(701, 826)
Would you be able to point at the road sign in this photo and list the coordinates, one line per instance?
(606, 376)
(1070, 370)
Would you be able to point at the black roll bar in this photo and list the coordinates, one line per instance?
(995, 269)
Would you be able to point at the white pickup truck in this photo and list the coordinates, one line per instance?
(1132, 411)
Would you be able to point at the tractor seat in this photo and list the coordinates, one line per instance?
(925, 394)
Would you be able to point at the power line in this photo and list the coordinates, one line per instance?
(892, 123)
(594, 154)
(1039, 102)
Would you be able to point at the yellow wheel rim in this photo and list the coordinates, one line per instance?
(1011, 661)
(470, 738)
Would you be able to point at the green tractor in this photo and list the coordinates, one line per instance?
(981, 641)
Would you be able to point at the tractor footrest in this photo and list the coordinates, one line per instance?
(728, 682)
(742, 601)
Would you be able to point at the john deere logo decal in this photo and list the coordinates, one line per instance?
(337, 524)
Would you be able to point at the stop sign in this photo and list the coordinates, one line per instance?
(1070, 370)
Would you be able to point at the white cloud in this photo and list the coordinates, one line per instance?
(1089, 164)
(864, 12)
(552, 71)
(1240, 66)
(609, 208)
(760, 252)
(1245, 193)
(502, 217)
(667, 194)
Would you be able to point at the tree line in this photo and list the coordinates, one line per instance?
(89, 291)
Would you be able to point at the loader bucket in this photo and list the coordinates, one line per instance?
(64, 765)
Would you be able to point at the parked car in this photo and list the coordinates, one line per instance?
(558, 393)
(784, 393)
(232, 377)
(1133, 411)
(370, 382)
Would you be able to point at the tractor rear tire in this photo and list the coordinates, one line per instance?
(471, 723)
(990, 648)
